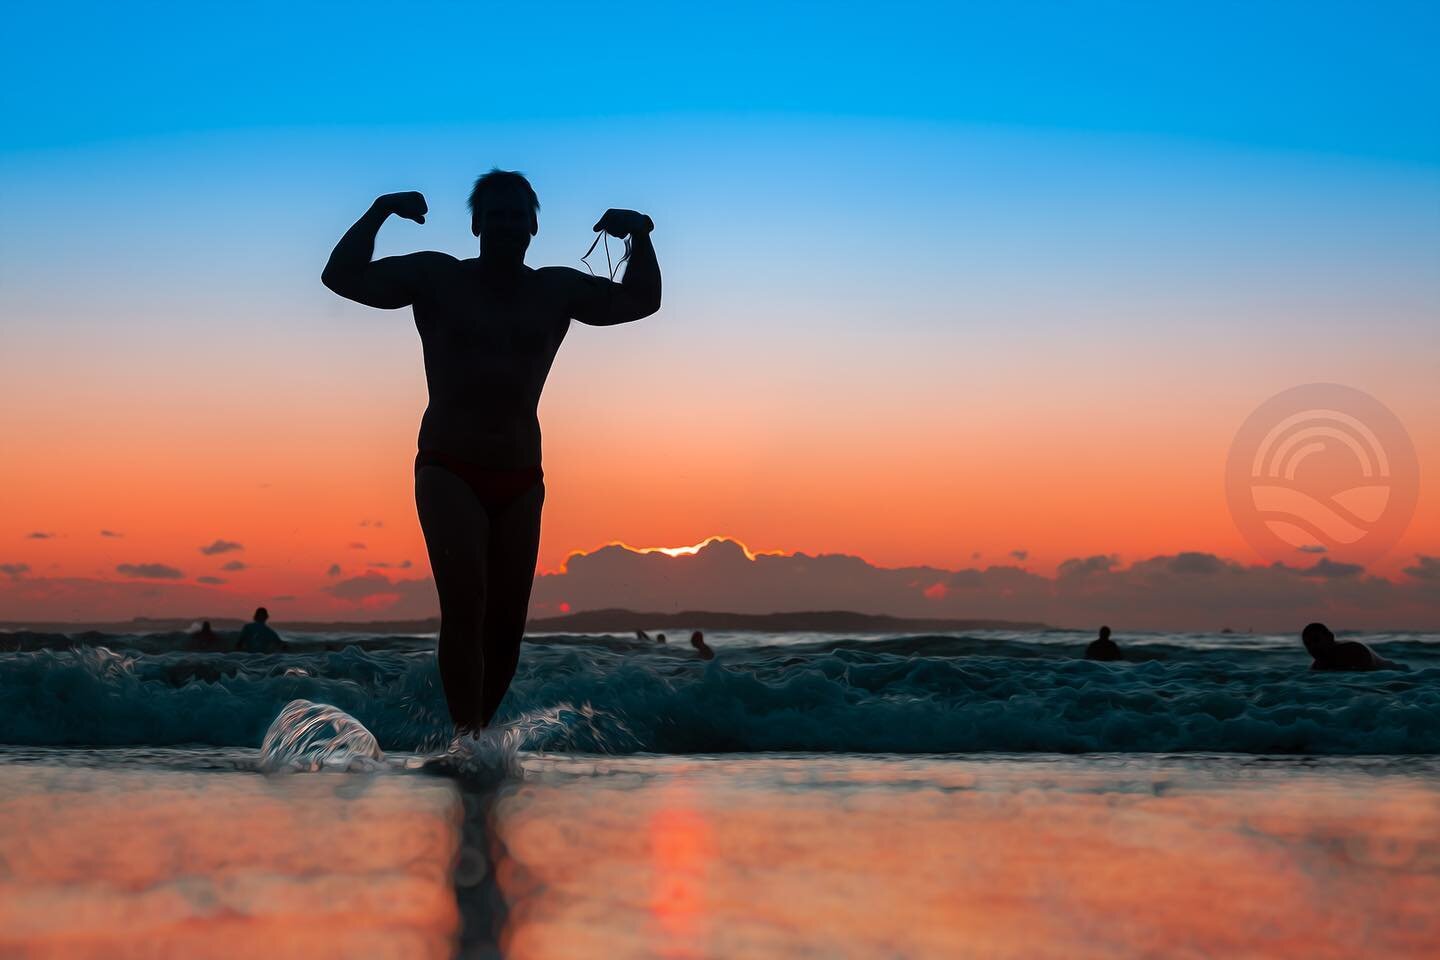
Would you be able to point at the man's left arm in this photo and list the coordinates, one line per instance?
(602, 302)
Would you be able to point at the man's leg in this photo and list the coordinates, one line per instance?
(509, 575)
(456, 531)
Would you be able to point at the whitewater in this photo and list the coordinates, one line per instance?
(987, 691)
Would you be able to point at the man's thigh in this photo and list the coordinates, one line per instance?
(514, 544)
(456, 533)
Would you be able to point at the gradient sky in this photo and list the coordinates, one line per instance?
(938, 286)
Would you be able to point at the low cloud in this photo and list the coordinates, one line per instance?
(356, 545)
(376, 592)
(1183, 591)
(210, 580)
(372, 523)
(1325, 567)
(1020, 554)
(235, 566)
(14, 570)
(1311, 548)
(1426, 568)
(110, 533)
(334, 570)
(39, 535)
(149, 571)
(221, 546)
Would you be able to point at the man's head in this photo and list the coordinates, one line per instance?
(261, 614)
(697, 639)
(1317, 639)
(503, 209)
(1104, 633)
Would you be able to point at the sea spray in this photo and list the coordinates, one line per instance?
(317, 736)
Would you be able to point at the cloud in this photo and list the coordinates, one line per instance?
(356, 545)
(1196, 564)
(1428, 568)
(149, 571)
(406, 564)
(372, 523)
(221, 546)
(382, 564)
(1077, 568)
(39, 535)
(1183, 591)
(1325, 567)
(283, 597)
(376, 592)
(334, 570)
(14, 570)
(1311, 548)
(212, 580)
(235, 566)
(110, 533)
(1020, 554)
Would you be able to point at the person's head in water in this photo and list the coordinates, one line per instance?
(697, 639)
(1104, 633)
(1318, 640)
(503, 209)
(261, 614)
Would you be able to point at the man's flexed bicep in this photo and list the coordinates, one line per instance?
(389, 282)
(602, 302)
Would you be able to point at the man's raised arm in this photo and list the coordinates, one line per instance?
(386, 283)
(599, 301)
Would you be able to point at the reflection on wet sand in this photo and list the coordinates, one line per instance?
(944, 858)
(139, 862)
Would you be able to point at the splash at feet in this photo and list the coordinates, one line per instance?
(317, 736)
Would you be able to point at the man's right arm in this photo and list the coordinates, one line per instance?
(389, 282)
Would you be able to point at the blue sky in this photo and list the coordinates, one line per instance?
(1005, 227)
(1354, 78)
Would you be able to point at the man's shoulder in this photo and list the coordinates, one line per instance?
(434, 259)
(559, 276)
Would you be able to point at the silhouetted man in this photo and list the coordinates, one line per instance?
(489, 327)
(1103, 648)
(257, 637)
(1348, 655)
(697, 640)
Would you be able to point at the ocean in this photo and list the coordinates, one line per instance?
(800, 795)
(803, 692)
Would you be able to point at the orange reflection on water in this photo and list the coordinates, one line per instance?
(144, 862)
(921, 858)
(680, 849)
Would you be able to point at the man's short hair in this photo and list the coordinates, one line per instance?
(498, 178)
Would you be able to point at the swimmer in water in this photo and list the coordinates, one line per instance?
(489, 326)
(1103, 648)
(1331, 654)
(257, 637)
(205, 638)
(697, 640)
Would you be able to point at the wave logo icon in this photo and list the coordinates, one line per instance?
(1322, 468)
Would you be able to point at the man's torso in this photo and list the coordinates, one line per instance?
(488, 348)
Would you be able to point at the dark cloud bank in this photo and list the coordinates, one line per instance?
(1183, 591)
